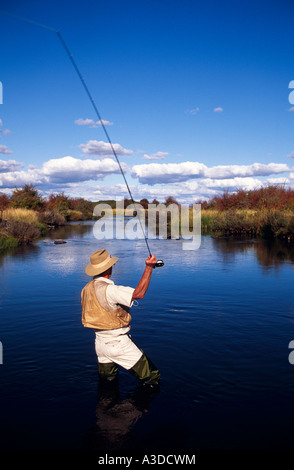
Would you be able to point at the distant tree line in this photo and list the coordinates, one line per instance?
(266, 212)
(269, 197)
(29, 197)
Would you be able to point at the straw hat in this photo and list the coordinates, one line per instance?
(100, 262)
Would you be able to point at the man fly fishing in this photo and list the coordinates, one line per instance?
(105, 308)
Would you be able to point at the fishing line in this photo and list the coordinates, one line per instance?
(160, 262)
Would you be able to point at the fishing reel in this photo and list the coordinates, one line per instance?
(159, 264)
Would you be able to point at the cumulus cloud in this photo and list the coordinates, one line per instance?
(167, 172)
(9, 166)
(73, 169)
(20, 178)
(57, 171)
(218, 110)
(291, 155)
(5, 150)
(103, 149)
(92, 123)
(184, 192)
(291, 109)
(187, 181)
(176, 172)
(256, 169)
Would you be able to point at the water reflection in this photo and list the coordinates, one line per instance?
(116, 416)
(269, 253)
(74, 229)
(233, 325)
(19, 252)
(71, 256)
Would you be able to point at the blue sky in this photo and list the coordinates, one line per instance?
(195, 95)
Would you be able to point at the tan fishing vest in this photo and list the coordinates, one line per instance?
(98, 314)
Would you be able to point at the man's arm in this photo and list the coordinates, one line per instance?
(143, 285)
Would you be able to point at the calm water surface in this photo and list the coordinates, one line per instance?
(216, 321)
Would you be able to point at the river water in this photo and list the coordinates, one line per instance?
(216, 321)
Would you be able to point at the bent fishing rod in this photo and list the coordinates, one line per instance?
(101, 122)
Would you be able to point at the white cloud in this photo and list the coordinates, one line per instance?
(150, 157)
(92, 123)
(5, 131)
(187, 181)
(160, 154)
(104, 122)
(184, 192)
(167, 172)
(84, 122)
(275, 181)
(291, 155)
(256, 169)
(218, 110)
(59, 171)
(5, 150)
(103, 149)
(156, 156)
(9, 166)
(20, 178)
(193, 110)
(176, 172)
(69, 169)
(291, 109)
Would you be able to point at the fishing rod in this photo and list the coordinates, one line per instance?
(159, 262)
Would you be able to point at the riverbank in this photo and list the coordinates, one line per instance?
(263, 223)
(20, 226)
(266, 213)
(23, 226)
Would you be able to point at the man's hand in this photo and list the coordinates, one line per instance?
(151, 261)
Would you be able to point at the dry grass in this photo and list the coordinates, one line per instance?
(263, 222)
(24, 215)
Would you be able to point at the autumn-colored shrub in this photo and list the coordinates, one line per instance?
(269, 197)
(22, 231)
(28, 198)
(52, 218)
(4, 202)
